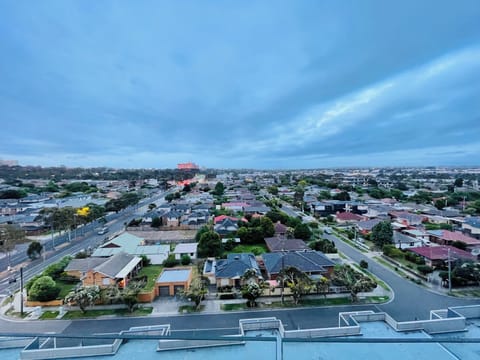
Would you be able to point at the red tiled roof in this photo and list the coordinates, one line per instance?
(220, 218)
(348, 216)
(458, 236)
(441, 252)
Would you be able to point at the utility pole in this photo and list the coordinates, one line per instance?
(21, 292)
(449, 272)
(283, 275)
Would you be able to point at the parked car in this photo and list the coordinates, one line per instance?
(102, 231)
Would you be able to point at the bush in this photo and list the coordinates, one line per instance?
(44, 289)
(227, 296)
(170, 261)
(364, 264)
(30, 282)
(56, 270)
(145, 260)
(68, 279)
(424, 269)
(185, 260)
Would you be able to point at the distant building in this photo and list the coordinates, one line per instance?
(187, 166)
(8, 162)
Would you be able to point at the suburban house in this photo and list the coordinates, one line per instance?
(331, 207)
(79, 267)
(133, 245)
(220, 218)
(439, 255)
(260, 209)
(171, 281)
(225, 227)
(235, 206)
(172, 218)
(313, 263)
(280, 229)
(189, 249)
(116, 270)
(446, 237)
(403, 241)
(283, 244)
(229, 271)
(472, 226)
(347, 217)
(406, 218)
(417, 234)
(365, 226)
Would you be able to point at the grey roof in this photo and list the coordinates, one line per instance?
(84, 265)
(186, 248)
(118, 262)
(368, 224)
(235, 266)
(399, 238)
(473, 221)
(306, 261)
(174, 275)
(282, 244)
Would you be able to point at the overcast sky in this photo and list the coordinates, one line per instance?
(272, 84)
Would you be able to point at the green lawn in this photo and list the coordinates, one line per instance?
(65, 288)
(48, 315)
(233, 307)
(77, 314)
(255, 249)
(152, 272)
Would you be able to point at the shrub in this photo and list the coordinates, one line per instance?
(226, 296)
(44, 289)
(170, 261)
(424, 269)
(364, 264)
(185, 260)
(55, 270)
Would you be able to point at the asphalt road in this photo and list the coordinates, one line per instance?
(410, 300)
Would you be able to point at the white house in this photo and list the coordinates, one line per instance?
(189, 249)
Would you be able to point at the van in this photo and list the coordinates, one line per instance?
(327, 230)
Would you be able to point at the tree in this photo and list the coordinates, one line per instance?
(273, 190)
(252, 288)
(297, 281)
(185, 260)
(10, 236)
(210, 245)
(156, 222)
(34, 250)
(130, 294)
(324, 245)
(343, 196)
(382, 233)
(170, 261)
(267, 226)
(354, 281)
(219, 189)
(302, 231)
(83, 297)
(43, 289)
(151, 206)
(458, 182)
(196, 291)
(322, 286)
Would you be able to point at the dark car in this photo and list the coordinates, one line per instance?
(12, 280)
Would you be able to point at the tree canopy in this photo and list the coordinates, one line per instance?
(210, 244)
(354, 281)
(382, 233)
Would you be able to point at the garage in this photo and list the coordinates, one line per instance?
(164, 290)
(177, 288)
(171, 281)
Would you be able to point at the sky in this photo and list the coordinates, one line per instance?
(234, 84)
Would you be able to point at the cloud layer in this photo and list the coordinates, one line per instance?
(271, 85)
